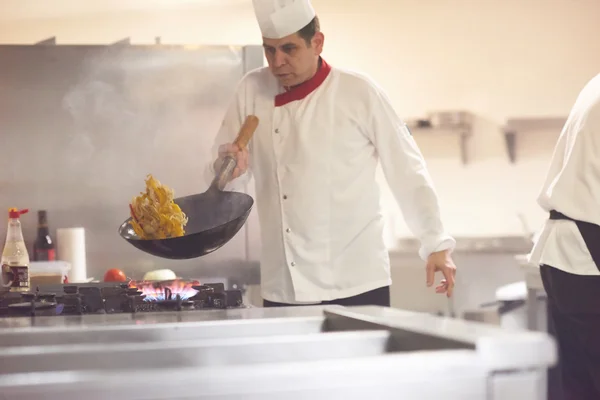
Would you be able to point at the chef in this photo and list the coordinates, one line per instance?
(568, 248)
(322, 132)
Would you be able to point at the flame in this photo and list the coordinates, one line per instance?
(155, 290)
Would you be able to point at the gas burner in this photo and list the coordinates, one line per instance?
(92, 300)
(176, 304)
(47, 297)
(70, 289)
(133, 297)
(156, 291)
(28, 296)
(33, 308)
(133, 291)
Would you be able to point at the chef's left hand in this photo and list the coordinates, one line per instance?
(441, 261)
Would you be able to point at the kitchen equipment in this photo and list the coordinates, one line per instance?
(124, 298)
(214, 217)
(509, 310)
(513, 306)
(48, 272)
(319, 352)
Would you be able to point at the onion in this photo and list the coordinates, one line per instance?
(160, 275)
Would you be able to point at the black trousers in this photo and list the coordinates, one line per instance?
(377, 297)
(574, 320)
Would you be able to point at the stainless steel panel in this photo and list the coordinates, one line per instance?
(458, 376)
(83, 125)
(193, 353)
(167, 332)
(24, 325)
(472, 245)
(385, 352)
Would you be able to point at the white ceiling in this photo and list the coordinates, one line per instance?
(15, 10)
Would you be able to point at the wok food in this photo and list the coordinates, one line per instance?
(154, 214)
(215, 216)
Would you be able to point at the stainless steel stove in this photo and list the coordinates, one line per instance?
(114, 298)
(291, 353)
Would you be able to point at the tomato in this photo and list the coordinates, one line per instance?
(115, 275)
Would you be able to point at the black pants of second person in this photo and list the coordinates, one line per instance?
(574, 320)
(377, 297)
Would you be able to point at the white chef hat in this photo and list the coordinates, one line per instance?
(280, 18)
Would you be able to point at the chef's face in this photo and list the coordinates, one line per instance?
(292, 59)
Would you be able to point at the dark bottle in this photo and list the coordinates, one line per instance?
(43, 247)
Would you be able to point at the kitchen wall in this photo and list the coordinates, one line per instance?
(495, 59)
(90, 122)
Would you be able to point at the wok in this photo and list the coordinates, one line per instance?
(214, 217)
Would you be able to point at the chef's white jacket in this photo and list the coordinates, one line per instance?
(313, 158)
(572, 187)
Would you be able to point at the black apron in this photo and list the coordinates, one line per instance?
(575, 321)
(590, 233)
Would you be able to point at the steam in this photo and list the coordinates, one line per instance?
(106, 125)
(141, 110)
(97, 102)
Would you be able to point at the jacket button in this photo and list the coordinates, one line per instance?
(285, 196)
(277, 130)
(288, 230)
(293, 264)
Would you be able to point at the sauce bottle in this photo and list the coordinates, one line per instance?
(43, 247)
(15, 258)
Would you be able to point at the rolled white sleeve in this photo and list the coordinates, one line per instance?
(230, 127)
(407, 176)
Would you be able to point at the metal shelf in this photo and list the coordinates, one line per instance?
(447, 123)
(514, 244)
(516, 126)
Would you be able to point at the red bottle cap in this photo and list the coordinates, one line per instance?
(16, 213)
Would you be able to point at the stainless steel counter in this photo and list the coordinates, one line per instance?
(132, 321)
(291, 353)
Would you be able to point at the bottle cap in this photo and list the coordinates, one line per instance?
(16, 213)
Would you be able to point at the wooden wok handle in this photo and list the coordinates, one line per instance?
(229, 163)
(246, 131)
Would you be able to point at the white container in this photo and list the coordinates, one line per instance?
(70, 247)
(48, 272)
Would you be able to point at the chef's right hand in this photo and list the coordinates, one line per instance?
(240, 156)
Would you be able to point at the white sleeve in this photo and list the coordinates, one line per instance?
(407, 175)
(230, 127)
(554, 171)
